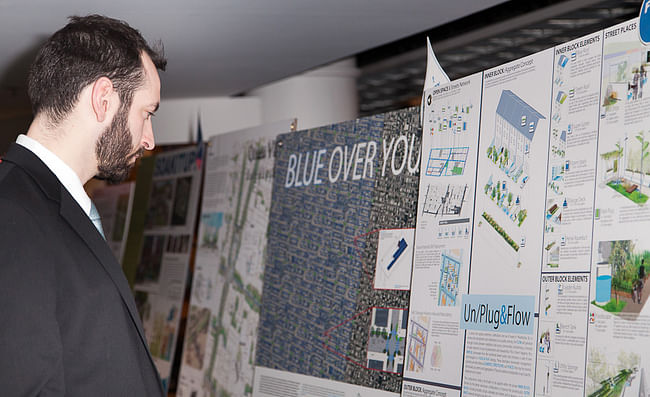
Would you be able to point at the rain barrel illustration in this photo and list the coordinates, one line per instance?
(603, 283)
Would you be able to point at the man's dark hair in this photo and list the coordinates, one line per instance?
(84, 50)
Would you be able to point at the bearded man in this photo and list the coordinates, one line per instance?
(69, 320)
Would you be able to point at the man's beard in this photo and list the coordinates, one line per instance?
(114, 149)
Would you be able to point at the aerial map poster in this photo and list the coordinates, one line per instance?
(165, 252)
(221, 332)
(336, 285)
(553, 186)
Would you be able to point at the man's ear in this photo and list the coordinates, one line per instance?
(102, 98)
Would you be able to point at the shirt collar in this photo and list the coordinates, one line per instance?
(68, 178)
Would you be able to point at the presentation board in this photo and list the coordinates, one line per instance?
(221, 332)
(161, 273)
(530, 245)
(340, 243)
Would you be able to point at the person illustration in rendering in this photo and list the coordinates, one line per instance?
(642, 80)
(69, 320)
(634, 86)
(638, 287)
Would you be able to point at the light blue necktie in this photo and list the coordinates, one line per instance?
(96, 219)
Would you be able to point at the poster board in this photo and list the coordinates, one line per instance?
(544, 295)
(163, 265)
(221, 333)
(335, 299)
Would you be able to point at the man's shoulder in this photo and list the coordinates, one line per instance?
(13, 179)
(5, 168)
(25, 170)
(18, 190)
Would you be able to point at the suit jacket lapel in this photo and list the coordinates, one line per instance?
(78, 220)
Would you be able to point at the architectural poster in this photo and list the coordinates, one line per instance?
(529, 269)
(336, 287)
(161, 274)
(221, 332)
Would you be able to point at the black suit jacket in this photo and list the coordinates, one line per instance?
(68, 321)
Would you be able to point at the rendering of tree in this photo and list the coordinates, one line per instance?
(619, 152)
(644, 151)
(620, 254)
(615, 155)
(521, 216)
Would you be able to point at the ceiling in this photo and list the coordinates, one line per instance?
(225, 47)
(392, 75)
